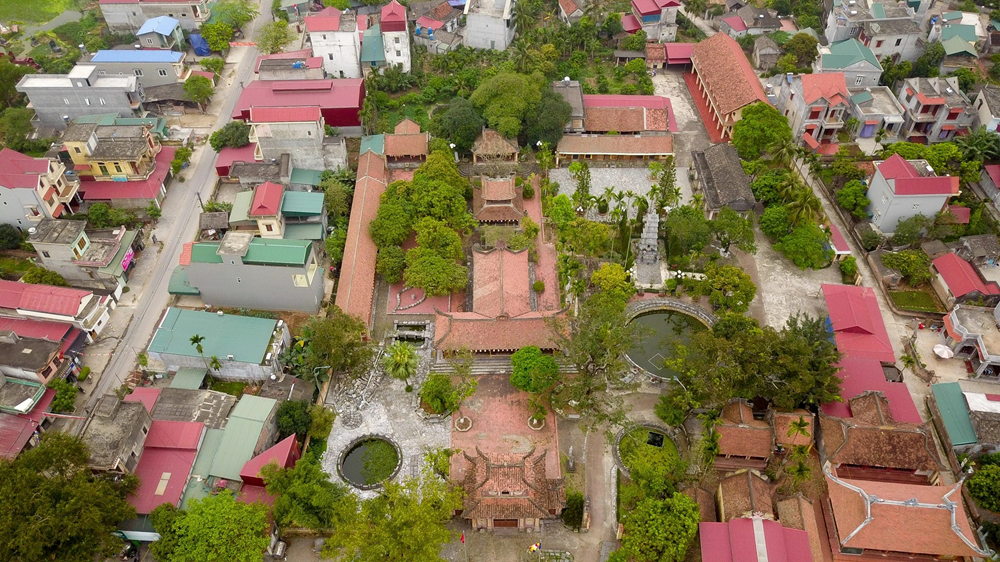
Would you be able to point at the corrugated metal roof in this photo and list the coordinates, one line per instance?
(126, 55)
(180, 284)
(306, 177)
(374, 143)
(236, 448)
(277, 252)
(245, 338)
(241, 207)
(304, 231)
(196, 487)
(302, 204)
(164, 25)
(954, 412)
(188, 378)
(255, 408)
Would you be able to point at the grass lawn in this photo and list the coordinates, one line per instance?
(417, 113)
(34, 11)
(14, 268)
(233, 388)
(915, 300)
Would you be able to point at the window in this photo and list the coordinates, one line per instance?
(118, 167)
(268, 227)
(979, 104)
(76, 149)
(310, 133)
(943, 134)
(149, 41)
(885, 198)
(33, 211)
(814, 112)
(145, 430)
(330, 55)
(899, 42)
(82, 243)
(878, 43)
(45, 254)
(398, 54)
(86, 101)
(171, 15)
(396, 40)
(137, 71)
(954, 114)
(238, 280)
(916, 206)
(101, 100)
(162, 72)
(791, 96)
(859, 80)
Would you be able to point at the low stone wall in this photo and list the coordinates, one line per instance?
(674, 434)
(642, 306)
(354, 443)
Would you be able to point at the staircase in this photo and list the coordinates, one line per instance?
(498, 365)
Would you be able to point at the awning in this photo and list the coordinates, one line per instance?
(189, 378)
(306, 231)
(871, 122)
(810, 141)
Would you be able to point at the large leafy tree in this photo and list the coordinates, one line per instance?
(274, 36)
(335, 343)
(807, 246)
(213, 528)
(217, 35)
(52, 507)
(687, 230)
(659, 530)
(458, 122)
(549, 119)
(234, 134)
(435, 235)
(15, 126)
(391, 226)
(293, 418)
(760, 126)
(434, 274)
(236, 13)
(10, 75)
(508, 100)
(306, 497)
(730, 228)
(804, 47)
(729, 287)
(853, 198)
(533, 370)
(198, 89)
(407, 521)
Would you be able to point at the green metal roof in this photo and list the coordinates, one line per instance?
(302, 204)
(374, 143)
(114, 267)
(862, 97)
(878, 10)
(188, 378)
(957, 46)
(372, 47)
(954, 412)
(179, 283)
(304, 231)
(268, 251)
(995, 24)
(253, 408)
(196, 490)
(306, 177)
(205, 252)
(241, 207)
(158, 125)
(967, 32)
(236, 448)
(846, 53)
(949, 16)
(246, 338)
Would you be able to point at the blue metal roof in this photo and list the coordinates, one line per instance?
(124, 55)
(164, 25)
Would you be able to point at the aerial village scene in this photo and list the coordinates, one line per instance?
(499, 280)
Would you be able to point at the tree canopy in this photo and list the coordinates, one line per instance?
(458, 122)
(659, 530)
(533, 371)
(273, 36)
(198, 89)
(234, 134)
(52, 507)
(760, 127)
(306, 497)
(212, 528)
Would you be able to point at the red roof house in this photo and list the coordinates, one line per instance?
(325, 20)
(753, 540)
(958, 281)
(904, 179)
(16, 430)
(857, 323)
(630, 23)
(393, 17)
(678, 53)
(339, 100)
(301, 114)
(267, 200)
(858, 375)
(37, 329)
(147, 189)
(167, 457)
(60, 301)
(21, 171)
(724, 74)
(229, 155)
(830, 86)
(284, 453)
(145, 395)
(304, 54)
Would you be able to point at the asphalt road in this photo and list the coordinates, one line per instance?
(181, 205)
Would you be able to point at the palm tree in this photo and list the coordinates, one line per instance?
(800, 472)
(400, 361)
(521, 56)
(789, 187)
(215, 364)
(979, 145)
(196, 342)
(522, 18)
(800, 427)
(696, 8)
(804, 207)
(783, 153)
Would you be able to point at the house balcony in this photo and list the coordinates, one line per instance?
(68, 192)
(921, 117)
(833, 122)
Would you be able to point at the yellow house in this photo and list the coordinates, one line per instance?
(111, 152)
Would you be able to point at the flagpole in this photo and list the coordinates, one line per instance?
(466, 547)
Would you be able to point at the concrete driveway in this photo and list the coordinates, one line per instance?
(691, 133)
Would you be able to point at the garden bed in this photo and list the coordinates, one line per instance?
(920, 301)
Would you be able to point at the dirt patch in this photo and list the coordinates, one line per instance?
(295, 320)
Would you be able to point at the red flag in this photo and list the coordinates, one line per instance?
(463, 537)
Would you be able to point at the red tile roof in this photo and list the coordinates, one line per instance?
(37, 329)
(492, 144)
(330, 95)
(442, 11)
(393, 17)
(408, 145)
(325, 20)
(830, 86)
(858, 375)
(726, 73)
(61, 301)
(301, 114)
(619, 119)
(961, 278)
(962, 214)
(678, 53)
(476, 332)
(740, 435)
(186, 250)
(907, 181)
(147, 396)
(839, 242)
(284, 453)
(406, 127)
(655, 52)
(740, 540)
(744, 493)
(857, 322)
(230, 155)
(497, 200)
(994, 172)
(616, 144)
(916, 529)
(614, 100)
(21, 171)
(498, 189)
(630, 23)
(167, 457)
(501, 283)
(356, 289)
(568, 6)
(736, 23)
(425, 22)
(148, 188)
(267, 200)
(782, 423)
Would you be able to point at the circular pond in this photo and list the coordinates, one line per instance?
(665, 330)
(370, 461)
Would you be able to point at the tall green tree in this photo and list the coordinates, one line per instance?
(437, 276)
(273, 37)
(406, 521)
(199, 89)
(41, 276)
(10, 75)
(659, 530)
(533, 371)
(336, 343)
(729, 287)
(307, 497)
(458, 122)
(807, 246)
(400, 361)
(217, 35)
(804, 47)
(853, 198)
(507, 100)
(212, 528)
(730, 228)
(236, 13)
(760, 126)
(53, 507)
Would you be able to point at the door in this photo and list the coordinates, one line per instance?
(505, 523)
(867, 131)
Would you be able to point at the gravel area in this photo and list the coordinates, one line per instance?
(620, 180)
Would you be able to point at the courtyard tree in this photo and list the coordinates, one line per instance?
(804, 47)
(336, 197)
(687, 230)
(391, 225)
(217, 35)
(273, 37)
(53, 507)
(400, 361)
(612, 278)
(10, 75)
(212, 528)
(234, 134)
(458, 122)
(760, 126)
(307, 497)
(730, 228)
(984, 486)
(729, 288)
(908, 231)
(534, 371)
(775, 222)
(437, 276)
(406, 521)
(581, 174)
(390, 263)
(562, 211)
(549, 120)
(236, 13)
(293, 419)
(659, 530)
(10, 237)
(852, 198)
(913, 265)
(438, 237)
(508, 101)
(336, 343)
(807, 247)
(215, 65)
(198, 89)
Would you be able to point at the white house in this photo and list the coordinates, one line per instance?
(395, 35)
(336, 38)
(936, 109)
(987, 106)
(901, 189)
(489, 24)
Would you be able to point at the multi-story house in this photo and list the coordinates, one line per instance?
(129, 15)
(152, 67)
(936, 109)
(851, 57)
(115, 434)
(877, 109)
(84, 310)
(895, 33)
(161, 32)
(98, 259)
(111, 152)
(297, 131)
(244, 270)
(336, 38)
(489, 24)
(25, 362)
(59, 98)
(901, 189)
(816, 105)
(395, 35)
(435, 25)
(270, 211)
(987, 106)
(898, 39)
(33, 189)
(658, 18)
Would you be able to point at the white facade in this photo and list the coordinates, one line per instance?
(340, 50)
(987, 107)
(397, 48)
(489, 24)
